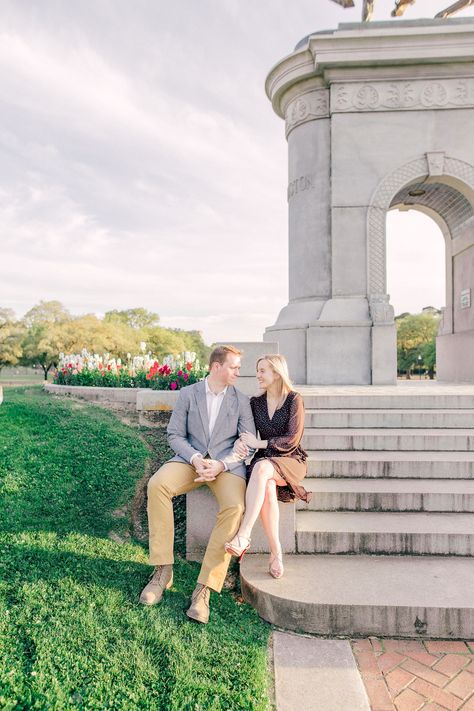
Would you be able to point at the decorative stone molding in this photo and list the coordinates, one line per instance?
(381, 311)
(307, 107)
(417, 169)
(435, 163)
(403, 95)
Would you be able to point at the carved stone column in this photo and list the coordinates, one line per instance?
(371, 110)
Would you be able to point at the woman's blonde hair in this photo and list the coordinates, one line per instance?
(279, 366)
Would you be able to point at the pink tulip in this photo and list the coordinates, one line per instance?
(173, 385)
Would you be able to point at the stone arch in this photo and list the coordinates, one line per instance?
(431, 167)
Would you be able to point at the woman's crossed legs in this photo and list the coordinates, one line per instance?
(261, 498)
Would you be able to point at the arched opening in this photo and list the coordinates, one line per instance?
(429, 249)
(416, 283)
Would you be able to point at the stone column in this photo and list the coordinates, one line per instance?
(308, 135)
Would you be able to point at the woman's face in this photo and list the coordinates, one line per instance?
(265, 375)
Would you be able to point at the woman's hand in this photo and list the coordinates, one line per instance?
(241, 449)
(250, 440)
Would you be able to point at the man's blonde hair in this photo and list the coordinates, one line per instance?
(279, 366)
(219, 354)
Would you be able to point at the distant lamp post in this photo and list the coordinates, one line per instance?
(419, 365)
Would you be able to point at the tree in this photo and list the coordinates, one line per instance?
(45, 334)
(46, 312)
(11, 334)
(415, 332)
(135, 318)
(100, 336)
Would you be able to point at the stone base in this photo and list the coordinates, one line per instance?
(292, 342)
(384, 354)
(338, 355)
(201, 512)
(455, 357)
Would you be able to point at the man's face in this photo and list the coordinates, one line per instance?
(229, 371)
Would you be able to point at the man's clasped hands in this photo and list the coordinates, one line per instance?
(209, 469)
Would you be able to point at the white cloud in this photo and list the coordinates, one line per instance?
(140, 160)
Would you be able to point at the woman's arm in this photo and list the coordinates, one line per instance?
(291, 439)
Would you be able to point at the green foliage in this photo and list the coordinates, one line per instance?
(72, 634)
(11, 334)
(416, 336)
(127, 375)
(48, 329)
(134, 318)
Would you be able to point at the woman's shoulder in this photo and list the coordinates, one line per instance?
(255, 399)
(294, 396)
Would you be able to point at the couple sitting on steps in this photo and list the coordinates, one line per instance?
(212, 431)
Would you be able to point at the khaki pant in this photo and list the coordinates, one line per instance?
(175, 478)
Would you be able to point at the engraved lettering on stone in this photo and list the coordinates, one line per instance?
(434, 94)
(306, 182)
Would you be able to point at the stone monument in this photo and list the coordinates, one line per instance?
(378, 116)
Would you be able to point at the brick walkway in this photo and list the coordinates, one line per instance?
(415, 675)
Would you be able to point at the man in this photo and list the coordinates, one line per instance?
(207, 420)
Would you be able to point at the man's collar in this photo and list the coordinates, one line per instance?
(208, 389)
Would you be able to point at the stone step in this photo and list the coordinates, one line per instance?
(401, 396)
(448, 495)
(385, 596)
(392, 464)
(363, 532)
(393, 418)
(389, 439)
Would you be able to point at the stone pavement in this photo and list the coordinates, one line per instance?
(416, 675)
(316, 674)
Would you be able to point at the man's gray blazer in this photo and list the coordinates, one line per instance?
(188, 429)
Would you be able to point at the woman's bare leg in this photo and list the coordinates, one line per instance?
(262, 473)
(270, 515)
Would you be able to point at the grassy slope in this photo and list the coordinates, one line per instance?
(72, 635)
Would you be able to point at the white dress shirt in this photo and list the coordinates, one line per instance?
(213, 403)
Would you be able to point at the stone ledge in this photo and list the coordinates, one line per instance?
(201, 510)
(95, 394)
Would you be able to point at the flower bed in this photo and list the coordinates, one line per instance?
(87, 369)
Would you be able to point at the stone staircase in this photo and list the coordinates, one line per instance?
(386, 546)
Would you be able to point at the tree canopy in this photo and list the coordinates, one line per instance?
(48, 329)
(416, 342)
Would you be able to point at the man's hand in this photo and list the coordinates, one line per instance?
(250, 440)
(209, 469)
(241, 449)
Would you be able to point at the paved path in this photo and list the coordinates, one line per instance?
(412, 675)
(314, 674)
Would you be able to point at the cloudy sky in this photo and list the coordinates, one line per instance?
(141, 163)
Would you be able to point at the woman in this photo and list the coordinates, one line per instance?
(279, 464)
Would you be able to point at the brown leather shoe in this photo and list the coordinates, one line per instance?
(199, 609)
(161, 580)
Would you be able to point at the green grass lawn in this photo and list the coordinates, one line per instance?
(72, 634)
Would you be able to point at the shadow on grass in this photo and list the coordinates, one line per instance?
(25, 566)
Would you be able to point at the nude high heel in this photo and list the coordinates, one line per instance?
(275, 567)
(237, 548)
